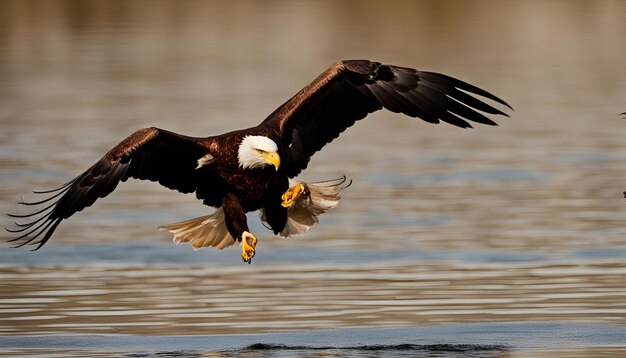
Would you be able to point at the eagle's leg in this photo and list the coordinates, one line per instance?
(292, 194)
(247, 248)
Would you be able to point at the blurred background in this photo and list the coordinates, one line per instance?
(523, 222)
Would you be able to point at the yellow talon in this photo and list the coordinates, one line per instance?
(247, 248)
(291, 195)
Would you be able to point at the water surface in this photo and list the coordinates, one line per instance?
(489, 242)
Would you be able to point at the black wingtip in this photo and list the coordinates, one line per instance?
(504, 103)
(465, 86)
(494, 98)
(64, 186)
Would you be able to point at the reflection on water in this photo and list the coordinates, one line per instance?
(464, 340)
(214, 299)
(459, 231)
(294, 352)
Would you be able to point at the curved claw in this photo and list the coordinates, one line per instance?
(247, 248)
(291, 195)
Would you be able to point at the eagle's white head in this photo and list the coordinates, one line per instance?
(257, 152)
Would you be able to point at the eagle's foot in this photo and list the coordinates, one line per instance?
(247, 248)
(291, 195)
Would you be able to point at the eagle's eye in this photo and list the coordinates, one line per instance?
(260, 151)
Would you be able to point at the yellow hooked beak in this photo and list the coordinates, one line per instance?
(273, 158)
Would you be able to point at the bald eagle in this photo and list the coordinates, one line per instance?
(250, 169)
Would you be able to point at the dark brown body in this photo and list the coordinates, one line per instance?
(231, 189)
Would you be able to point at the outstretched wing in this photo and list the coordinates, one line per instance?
(350, 90)
(150, 153)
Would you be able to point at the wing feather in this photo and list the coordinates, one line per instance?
(149, 154)
(349, 90)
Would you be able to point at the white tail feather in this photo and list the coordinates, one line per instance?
(316, 199)
(211, 230)
(204, 231)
